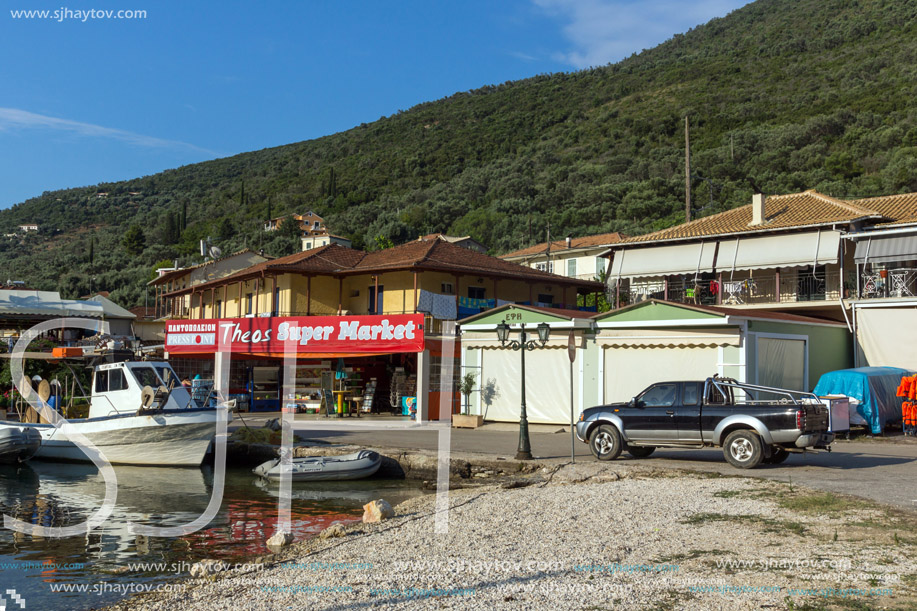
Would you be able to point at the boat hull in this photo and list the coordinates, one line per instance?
(177, 438)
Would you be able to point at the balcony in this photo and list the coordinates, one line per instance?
(802, 287)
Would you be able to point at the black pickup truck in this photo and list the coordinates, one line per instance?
(753, 424)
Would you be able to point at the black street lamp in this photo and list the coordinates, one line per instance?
(524, 452)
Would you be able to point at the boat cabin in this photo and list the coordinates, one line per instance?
(117, 388)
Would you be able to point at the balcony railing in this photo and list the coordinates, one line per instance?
(796, 288)
(882, 284)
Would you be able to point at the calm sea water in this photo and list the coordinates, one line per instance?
(53, 494)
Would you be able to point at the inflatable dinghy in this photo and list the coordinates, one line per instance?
(324, 468)
(18, 444)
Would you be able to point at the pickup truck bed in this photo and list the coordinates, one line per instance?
(753, 424)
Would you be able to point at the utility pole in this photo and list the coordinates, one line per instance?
(549, 266)
(687, 172)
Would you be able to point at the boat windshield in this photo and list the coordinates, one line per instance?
(167, 375)
(145, 376)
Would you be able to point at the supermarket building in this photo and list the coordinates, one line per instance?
(333, 292)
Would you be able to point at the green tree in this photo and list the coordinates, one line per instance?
(382, 242)
(134, 241)
(159, 265)
(225, 231)
(290, 228)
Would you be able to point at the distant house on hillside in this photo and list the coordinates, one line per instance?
(310, 223)
(463, 241)
(323, 239)
(28, 227)
(572, 257)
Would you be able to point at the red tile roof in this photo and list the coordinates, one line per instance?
(603, 239)
(898, 209)
(438, 255)
(143, 312)
(177, 273)
(781, 212)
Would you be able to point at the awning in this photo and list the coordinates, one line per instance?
(663, 260)
(658, 338)
(45, 303)
(795, 250)
(886, 249)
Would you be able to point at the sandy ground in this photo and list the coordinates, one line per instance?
(592, 536)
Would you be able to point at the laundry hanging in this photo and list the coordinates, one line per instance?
(439, 306)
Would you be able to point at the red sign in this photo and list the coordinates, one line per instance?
(300, 334)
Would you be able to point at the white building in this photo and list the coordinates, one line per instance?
(572, 257)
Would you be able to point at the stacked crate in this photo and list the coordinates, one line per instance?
(908, 390)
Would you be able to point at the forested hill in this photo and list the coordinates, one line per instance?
(783, 95)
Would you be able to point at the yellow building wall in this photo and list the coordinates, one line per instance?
(397, 289)
(397, 293)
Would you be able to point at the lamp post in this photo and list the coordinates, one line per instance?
(524, 452)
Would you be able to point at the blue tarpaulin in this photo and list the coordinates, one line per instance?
(873, 387)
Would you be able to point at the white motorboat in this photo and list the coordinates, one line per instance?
(18, 444)
(322, 468)
(139, 415)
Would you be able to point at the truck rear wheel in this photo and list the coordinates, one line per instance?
(743, 449)
(605, 442)
(778, 455)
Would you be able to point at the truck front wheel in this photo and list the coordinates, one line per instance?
(640, 451)
(605, 442)
(743, 449)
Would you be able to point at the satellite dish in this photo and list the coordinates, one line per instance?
(44, 391)
(146, 396)
(215, 252)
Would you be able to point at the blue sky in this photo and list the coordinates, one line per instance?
(92, 99)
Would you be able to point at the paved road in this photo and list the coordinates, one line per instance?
(884, 471)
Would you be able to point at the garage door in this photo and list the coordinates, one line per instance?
(782, 363)
(547, 386)
(628, 370)
(879, 333)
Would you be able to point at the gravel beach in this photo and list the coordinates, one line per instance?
(592, 536)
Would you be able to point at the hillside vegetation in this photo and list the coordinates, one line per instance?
(783, 95)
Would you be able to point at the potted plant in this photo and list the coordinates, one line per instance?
(465, 419)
